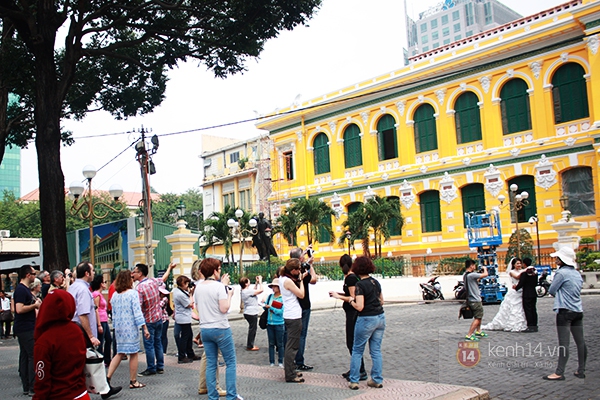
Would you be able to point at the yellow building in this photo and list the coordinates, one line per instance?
(450, 132)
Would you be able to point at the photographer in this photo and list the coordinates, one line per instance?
(251, 308)
(184, 303)
(310, 277)
(291, 291)
(474, 299)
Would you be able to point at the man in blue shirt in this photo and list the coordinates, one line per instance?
(25, 306)
(566, 289)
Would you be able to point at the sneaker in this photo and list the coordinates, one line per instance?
(222, 392)
(373, 384)
(481, 334)
(147, 373)
(281, 365)
(272, 364)
(472, 338)
(303, 367)
(185, 360)
(363, 376)
(111, 392)
(353, 385)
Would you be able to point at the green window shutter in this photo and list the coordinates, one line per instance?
(387, 144)
(526, 183)
(352, 146)
(473, 198)
(393, 226)
(324, 236)
(352, 207)
(569, 93)
(515, 106)
(425, 129)
(321, 154)
(431, 220)
(467, 117)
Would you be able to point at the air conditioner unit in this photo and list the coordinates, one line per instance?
(4, 233)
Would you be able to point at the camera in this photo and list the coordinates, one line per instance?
(304, 267)
(191, 285)
(309, 252)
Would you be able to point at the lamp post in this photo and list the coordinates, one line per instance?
(348, 236)
(181, 210)
(518, 201)
(85, 208)
(241, 233)
(564, 203)
(534, 220)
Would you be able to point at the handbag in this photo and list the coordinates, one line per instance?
(6, 316)
(263, 320)
(95, 374)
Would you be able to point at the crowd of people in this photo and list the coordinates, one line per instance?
(73, 303)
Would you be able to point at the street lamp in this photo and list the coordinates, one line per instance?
(534, 220)
(564, 203)
(77, 190)
(348, 236)
(241, 233)
(518, 201)
(181, 210)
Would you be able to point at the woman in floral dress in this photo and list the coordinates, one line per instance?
(127, 320)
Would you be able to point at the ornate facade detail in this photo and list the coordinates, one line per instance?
(383, 109)
(510, 73)
(407, 197)
(564, 57)
(466, 160)
(536, 68)
(448, 190)
(299, 136)
(545, 175)
(385, 176)
(423, 169)
(440, 94)
(486, 82)
(350, 183)
(592, 43)
(319, 189)
(570, 141)
(421, 98)
(463, 86)
(515, 151)
(348, 119)
(336, 204)
(332, 125)
(401, 105)
(493, 181)
(369, 194)
(365, 117)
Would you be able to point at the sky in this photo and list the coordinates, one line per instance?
(347, 41)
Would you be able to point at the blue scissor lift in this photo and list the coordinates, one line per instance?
(484, 234)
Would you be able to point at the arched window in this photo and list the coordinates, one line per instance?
(473, 198)
(321, 153)
(393, 226)
(525, 183)
(386, 138)
(324, 236)
(431, 219)
(352, 207)
(352, 146)
(578, 186)
(425, 129)
(467, 118)
(514, 106)
(569, 93)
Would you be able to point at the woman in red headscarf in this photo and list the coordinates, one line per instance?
(59, 352)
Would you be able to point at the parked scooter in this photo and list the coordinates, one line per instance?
(543, 285)
(460, 292)
(432, 290)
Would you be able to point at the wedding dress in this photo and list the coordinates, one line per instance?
(510, 316)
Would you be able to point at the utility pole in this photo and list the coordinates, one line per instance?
(144, 157)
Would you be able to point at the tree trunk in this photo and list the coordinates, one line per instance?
(47, 143)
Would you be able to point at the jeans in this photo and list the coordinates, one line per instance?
(294, 329)
(177, 335)
(351, 316)
(214, 340)
(570, 323)
(26, 343)
(252, 324)
(184, 344)
(165, 338)
(105, 342)
(305, 320)
(153, 347)
(276, 334)
(368, 329)
(5, 328)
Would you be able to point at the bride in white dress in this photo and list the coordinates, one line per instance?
(510, 317)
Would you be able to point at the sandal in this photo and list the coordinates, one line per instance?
(296, 380)
(136, 385)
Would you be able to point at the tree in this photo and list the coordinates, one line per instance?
(115, 58)
(379, 212)
(357, 224)
(165, 210)
(21, 219)
(311, 212)
(524, 245)
(287, 224)
(219, 231)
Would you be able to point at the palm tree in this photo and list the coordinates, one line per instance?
(358, 225)
(380, 211)
(287, 224)
(219, 230)
(312, 212)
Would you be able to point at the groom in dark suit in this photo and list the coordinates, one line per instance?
(528, 281)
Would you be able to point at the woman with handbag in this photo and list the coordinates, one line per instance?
(251, 308)
(59, 350)
(275, 324)
(127, 319)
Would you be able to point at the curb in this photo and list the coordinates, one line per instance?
(466, 393)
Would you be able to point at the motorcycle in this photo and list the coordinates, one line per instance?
(460, 292)
(432, 290)
(543, 285)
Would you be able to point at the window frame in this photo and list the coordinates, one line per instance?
(352, 146)
(386, 132)
(322, 164)
(431, 216)
(515, 108)
(425, 139)
(467, 118)
(569, 93)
